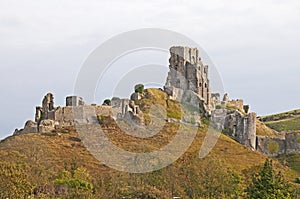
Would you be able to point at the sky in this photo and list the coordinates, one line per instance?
(43, 44)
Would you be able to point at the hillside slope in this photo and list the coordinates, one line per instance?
(47, 155)
(283, 122)
(40, 160)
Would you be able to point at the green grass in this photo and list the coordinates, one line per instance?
(158, 97)
(280, 116)
(285, 125)
(291, 160)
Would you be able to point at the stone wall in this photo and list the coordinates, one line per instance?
(239, 103)
(86, 114)
(48, 117)
(29, 127)
(126, 109)
(243, 127)
(273, 146)
(238, 126)
(292, 142)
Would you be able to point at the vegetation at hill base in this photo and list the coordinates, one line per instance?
(268, 184)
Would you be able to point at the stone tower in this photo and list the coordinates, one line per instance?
(47, 111)
(187, 72)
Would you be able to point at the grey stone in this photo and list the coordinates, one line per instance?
(74, 101)
(187, 72)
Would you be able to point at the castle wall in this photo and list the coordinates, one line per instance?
(292, 142)
(237, 103)
(82, 114)
(250, 127)
(238, 126)
(244, 128)
(271, 146)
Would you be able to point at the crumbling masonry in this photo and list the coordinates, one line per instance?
(187, 82)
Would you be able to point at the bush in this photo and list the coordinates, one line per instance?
(139, 88)
(107, 102)
(246, 108)
(227, 131)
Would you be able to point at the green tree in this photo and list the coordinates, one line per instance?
(267, 184)
(107, 102)
(139, 88)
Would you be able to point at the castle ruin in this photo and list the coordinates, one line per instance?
(187, 73)
(187, 82)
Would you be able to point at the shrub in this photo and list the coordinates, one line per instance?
(139, 88)
(107, 102)
(227, 131)
(246, 108)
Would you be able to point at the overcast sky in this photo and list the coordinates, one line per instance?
(254, 45)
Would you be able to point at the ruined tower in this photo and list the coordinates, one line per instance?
(187, 72)
(47, 111)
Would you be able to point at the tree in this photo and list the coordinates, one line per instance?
(139, 88)
(107, 102)
(268, 184)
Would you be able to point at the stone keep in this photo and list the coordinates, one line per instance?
(187, 72)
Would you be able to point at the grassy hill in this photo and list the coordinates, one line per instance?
(283, 122)
(264, 130)
(46, 155)
(43, 160)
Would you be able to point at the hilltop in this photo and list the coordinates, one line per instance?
(83, 150)
(47, 154)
